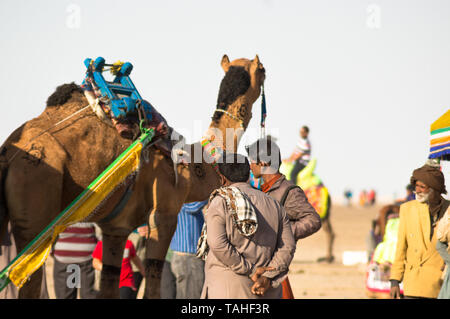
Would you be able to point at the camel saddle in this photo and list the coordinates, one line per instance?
(120, 95)
(120, 99)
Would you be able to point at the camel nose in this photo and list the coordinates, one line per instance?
(162, 128)
(127, 135)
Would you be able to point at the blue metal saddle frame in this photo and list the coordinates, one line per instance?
(121, 94)
(123, 98)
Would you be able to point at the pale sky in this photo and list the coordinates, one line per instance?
(367, 77)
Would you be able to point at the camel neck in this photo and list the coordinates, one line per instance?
(226, 132)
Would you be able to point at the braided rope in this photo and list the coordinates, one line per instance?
(45, 131)
(208, 146)
(241, 122)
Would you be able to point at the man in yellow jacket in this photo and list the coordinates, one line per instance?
(417, 262)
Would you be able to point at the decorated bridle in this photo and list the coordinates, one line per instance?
(214, 151)
(234, 117)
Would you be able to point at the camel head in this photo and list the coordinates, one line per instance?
(255, 71)
(239, 89)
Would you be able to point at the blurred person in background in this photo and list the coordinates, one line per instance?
(74, 246)
(443, 247)
(348, 196)
(139, 239)
(302, 153)
(185, 272)
(410, 193)
(127, 288)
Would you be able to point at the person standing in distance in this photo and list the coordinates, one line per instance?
(302, 153)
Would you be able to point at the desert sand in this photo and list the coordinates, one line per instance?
(310, 279)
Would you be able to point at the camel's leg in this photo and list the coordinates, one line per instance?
(113, 247)
(4, 217)
(33, 189)
(162, 228)
(32, 288)
(4, 226)
(326, 225)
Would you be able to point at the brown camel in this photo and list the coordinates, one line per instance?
(239, 89)
(328, 229)
(193, 181)
(46, 163)
(43, 170)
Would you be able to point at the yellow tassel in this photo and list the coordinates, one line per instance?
(34, 257)
(116, 67)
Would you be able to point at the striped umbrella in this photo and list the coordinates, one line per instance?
(440, 138)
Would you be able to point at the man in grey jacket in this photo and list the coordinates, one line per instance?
(265, 160)
(238, 266)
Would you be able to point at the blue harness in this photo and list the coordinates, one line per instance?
(120, 95)
(119, 100)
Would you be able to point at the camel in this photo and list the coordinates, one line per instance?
(48, 161)
(379, 224)
(190, 181)
(319, 197)
(42, 170)
(239, 89)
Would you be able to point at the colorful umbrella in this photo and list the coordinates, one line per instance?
(440, 138)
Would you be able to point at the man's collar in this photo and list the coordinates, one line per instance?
(277, 183)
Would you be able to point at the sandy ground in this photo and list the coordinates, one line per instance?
(310, 279)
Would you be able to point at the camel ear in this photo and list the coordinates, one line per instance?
(256, 60)
(225, 63)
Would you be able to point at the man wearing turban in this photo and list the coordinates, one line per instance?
(417, 263)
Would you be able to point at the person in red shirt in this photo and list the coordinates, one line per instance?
(126, 286)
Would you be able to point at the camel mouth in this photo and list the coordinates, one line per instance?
(130, 130)
(127, 129)
(130, 127)
(162, 129)
(158, 123)
(262, 72)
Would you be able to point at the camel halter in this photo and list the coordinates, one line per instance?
(263, 113)
(234, 117)
(213, 151)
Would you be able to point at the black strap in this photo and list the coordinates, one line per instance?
(286, 193)
(444, 207)
(441, 212)
(120, 205)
